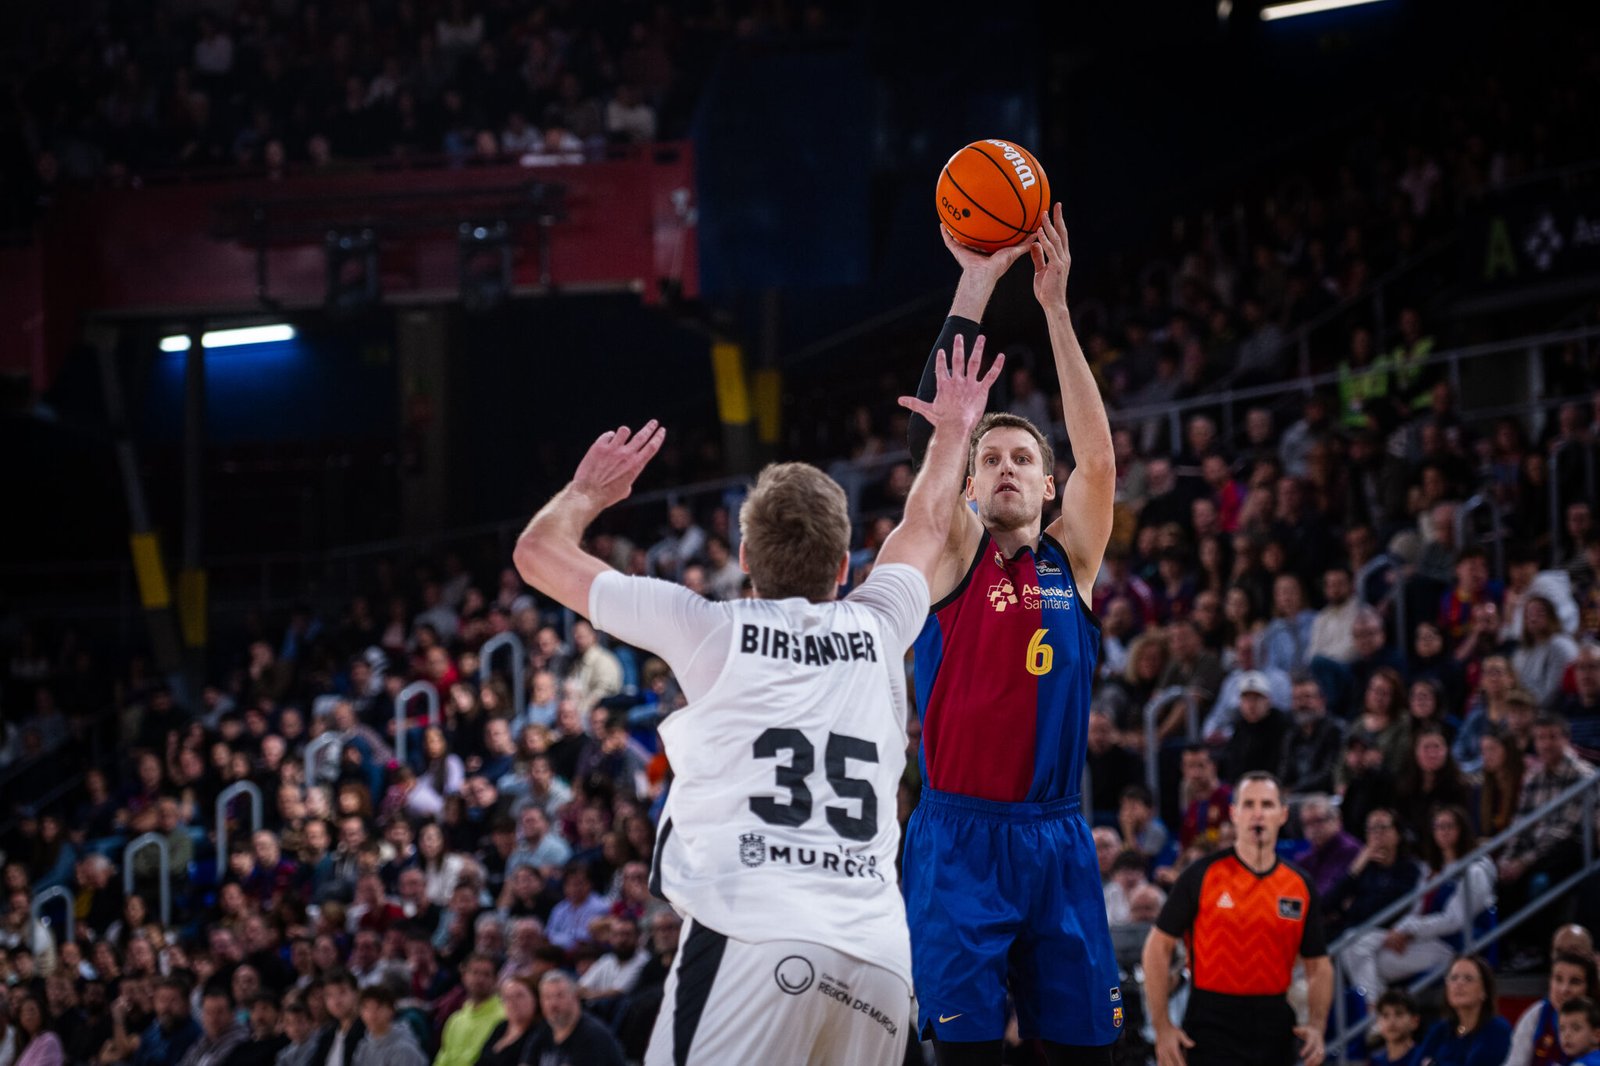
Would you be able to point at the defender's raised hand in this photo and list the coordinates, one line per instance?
(615, 460)
(1052, 260)
(961, 393)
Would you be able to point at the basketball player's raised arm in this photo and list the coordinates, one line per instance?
(549, 554)
(1086, 501)
(960, 396)
(980, 273)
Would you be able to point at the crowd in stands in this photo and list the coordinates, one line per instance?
(273, 88)
(511, 840)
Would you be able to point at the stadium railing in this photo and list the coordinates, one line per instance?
(164, 866)
(1587, 791)
(242, 584)
(225, 799)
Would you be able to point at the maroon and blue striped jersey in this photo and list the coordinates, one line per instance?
(1004, 667)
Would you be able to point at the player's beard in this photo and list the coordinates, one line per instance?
(1007, 512)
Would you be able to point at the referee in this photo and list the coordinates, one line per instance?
(1246, 917)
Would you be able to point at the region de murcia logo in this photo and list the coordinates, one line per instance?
(1001, 595)
(752, 849)
(794, 974)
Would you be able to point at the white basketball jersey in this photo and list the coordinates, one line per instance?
(781, 819)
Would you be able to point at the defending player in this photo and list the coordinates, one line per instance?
(1002, 886)
(778, 837)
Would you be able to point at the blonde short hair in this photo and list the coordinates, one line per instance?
(795, 526)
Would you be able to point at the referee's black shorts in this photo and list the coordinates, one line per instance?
(1240, 1030)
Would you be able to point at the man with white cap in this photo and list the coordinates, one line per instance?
(1219, 724)
(1257, 741)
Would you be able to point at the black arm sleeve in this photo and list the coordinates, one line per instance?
(921, 431)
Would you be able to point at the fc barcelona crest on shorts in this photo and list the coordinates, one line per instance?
(1116, 1017)
(752, 849)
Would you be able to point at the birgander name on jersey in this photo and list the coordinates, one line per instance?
(808, 649)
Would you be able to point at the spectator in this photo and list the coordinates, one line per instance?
(1435, 930)
(596, 673)
(1333, 628)
(569, 1037)
(1285, 642)
(385, 1043)
(1538, 1030)
(220, 1035)
(301, 1033)
(339, 1039)
(1548, 851)
(1581, 709)
(1580, 1031)
(1329, 849)
(570, 919)
(1430, 779)
(538, 846)
(1141, 830)
(1312, 745)
(1112, 768)
(1380, 875)
(1398, 1020)
(170, 1034)
(1384, 718)
(1545, 653)
(1471, 1030)
(506, 1045)
(1425, 708)
(1205, 800)
(468, 1029)
(682, 542)
(1490, 710)
(264, 1042)
(1472, 587)
(629, 119)
(1258, 740)
(36, 1045)
(615, 973)
(1195, 670)
(1220, 723)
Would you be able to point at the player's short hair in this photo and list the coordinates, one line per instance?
(1007, 420)
(1401, 1000)
(795, 526)
(1583, 1005)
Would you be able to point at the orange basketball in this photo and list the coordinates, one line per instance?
(992, 194)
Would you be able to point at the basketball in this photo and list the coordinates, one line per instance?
(992, 194)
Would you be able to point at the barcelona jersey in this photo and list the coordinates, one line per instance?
(1001, 879)
(1004, 668)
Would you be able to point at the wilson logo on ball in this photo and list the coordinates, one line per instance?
(1018, 162)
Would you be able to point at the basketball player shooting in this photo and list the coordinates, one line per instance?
(1002, 886)
(777, 841)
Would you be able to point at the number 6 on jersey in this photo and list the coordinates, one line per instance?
(1041, 656)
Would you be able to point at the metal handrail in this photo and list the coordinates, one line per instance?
(1152, 710)
(519, 659)
(164, 857)
(55, 892)
(430, 696)
(1588, 790)
(327, 740)
(1463, 518)
(1307, 383)
(225, 797)
(1395, 595)
(1555, 492)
